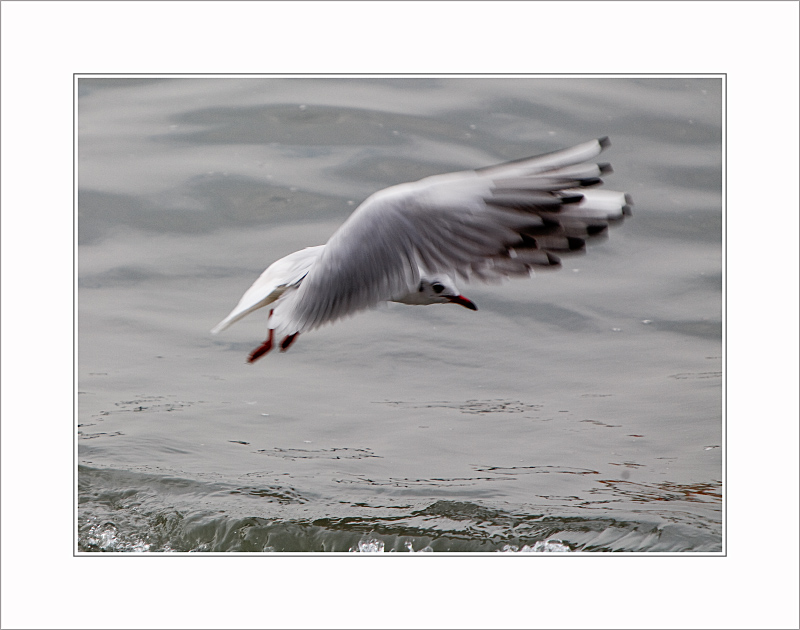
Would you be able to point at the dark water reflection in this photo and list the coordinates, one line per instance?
(120, 520)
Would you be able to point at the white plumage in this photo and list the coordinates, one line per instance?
(401, 242)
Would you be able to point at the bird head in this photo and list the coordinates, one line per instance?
(440, 290)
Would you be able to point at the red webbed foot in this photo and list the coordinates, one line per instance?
(288, 341)
(259, 352)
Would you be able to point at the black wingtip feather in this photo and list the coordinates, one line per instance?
(604, 142)
(575, 244)
(574, 198)
(594, 230)
(553, 259)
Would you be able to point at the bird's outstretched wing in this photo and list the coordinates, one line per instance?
(485, 224)
(276, 279)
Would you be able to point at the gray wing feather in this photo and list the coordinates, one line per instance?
(487, 224)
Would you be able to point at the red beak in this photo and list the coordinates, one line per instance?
(460, 299)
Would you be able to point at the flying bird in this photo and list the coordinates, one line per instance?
(408, 243)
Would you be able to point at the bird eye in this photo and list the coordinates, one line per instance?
(438, 288)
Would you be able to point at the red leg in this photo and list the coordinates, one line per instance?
(262, 349)
(288, 341)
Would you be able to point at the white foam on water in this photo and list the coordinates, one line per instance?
(107, 538)
(540, 546)
(368, 545)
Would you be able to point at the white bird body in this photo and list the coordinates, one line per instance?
(285, 275)
(405, 243)
(281, 276)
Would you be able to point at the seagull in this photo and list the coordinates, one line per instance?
(408, 243)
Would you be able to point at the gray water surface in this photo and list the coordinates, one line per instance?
(580, 406)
